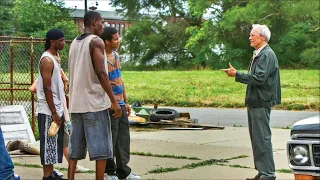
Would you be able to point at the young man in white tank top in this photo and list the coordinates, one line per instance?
(51, 99)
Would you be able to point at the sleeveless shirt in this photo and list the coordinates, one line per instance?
(86, 92)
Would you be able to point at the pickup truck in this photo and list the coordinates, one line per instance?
(303, 149)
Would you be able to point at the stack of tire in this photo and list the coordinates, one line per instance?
(157, 115)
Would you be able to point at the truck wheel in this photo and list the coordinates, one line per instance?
(166, 114)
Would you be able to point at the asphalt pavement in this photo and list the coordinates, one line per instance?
(238, 117)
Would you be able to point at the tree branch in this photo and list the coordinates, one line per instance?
(268, 16)
(313, 30)
(240, 2)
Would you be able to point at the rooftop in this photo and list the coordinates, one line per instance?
(108, 15)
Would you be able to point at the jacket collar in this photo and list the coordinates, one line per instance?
(263, 49)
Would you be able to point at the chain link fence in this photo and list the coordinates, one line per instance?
(19, 67)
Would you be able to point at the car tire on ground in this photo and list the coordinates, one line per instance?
(163, 114)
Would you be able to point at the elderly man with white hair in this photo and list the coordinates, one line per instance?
(263, 92)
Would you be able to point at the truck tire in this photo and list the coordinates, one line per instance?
(163, 114)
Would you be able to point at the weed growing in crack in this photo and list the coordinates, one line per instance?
(237, 157)
(204, 163)
(163, 170)
(284, 171)
(164, 155)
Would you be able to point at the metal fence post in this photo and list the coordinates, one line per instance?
(32, 80)
(11, 72)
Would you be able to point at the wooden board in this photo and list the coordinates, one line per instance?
(183, 128)
(182, 125)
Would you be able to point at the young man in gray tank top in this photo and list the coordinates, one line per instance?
(90, 97)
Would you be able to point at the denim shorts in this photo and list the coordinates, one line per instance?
(90, 131)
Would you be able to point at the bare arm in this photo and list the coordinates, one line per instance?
(33, 87)
(46, 69)
(125, 98)
(65, 81)
(97, 56)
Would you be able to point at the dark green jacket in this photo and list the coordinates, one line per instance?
(263, 82)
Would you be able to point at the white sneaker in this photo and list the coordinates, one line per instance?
(108, 177)
(56, 172)
(80, 169)
(132, 176)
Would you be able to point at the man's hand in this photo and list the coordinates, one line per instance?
(117, 110)
(56, 118)
(128, 109)
(231, 71)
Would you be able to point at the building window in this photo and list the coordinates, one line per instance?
(118, 28)
(122, 28)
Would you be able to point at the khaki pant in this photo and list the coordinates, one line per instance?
(260, 135)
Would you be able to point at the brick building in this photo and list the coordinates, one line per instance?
(110, 17)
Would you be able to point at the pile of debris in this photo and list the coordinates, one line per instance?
(165, 118)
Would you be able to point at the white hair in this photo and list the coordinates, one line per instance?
(264, 31)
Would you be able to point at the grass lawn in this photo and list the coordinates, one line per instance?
(300, 89)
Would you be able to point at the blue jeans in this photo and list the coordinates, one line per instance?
(6, 165)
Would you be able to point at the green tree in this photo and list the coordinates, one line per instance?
(155, 42)
(299, 44)
(68, 27)
(157, 35)
(217, 31)
(6, 26)
(36, 17)
(294, 27)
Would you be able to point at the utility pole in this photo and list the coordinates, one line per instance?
(85, 6)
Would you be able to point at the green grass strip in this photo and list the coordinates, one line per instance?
(239, 166)
(204, 163)
(164, 155)
(234, 165)
(284, 171)
(299, 92)
(163, 170)
(237, 157)
(27, 165)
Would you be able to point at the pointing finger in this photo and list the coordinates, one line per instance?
(225, 70)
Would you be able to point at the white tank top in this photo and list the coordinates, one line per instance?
(56, 87)
(85, 91)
